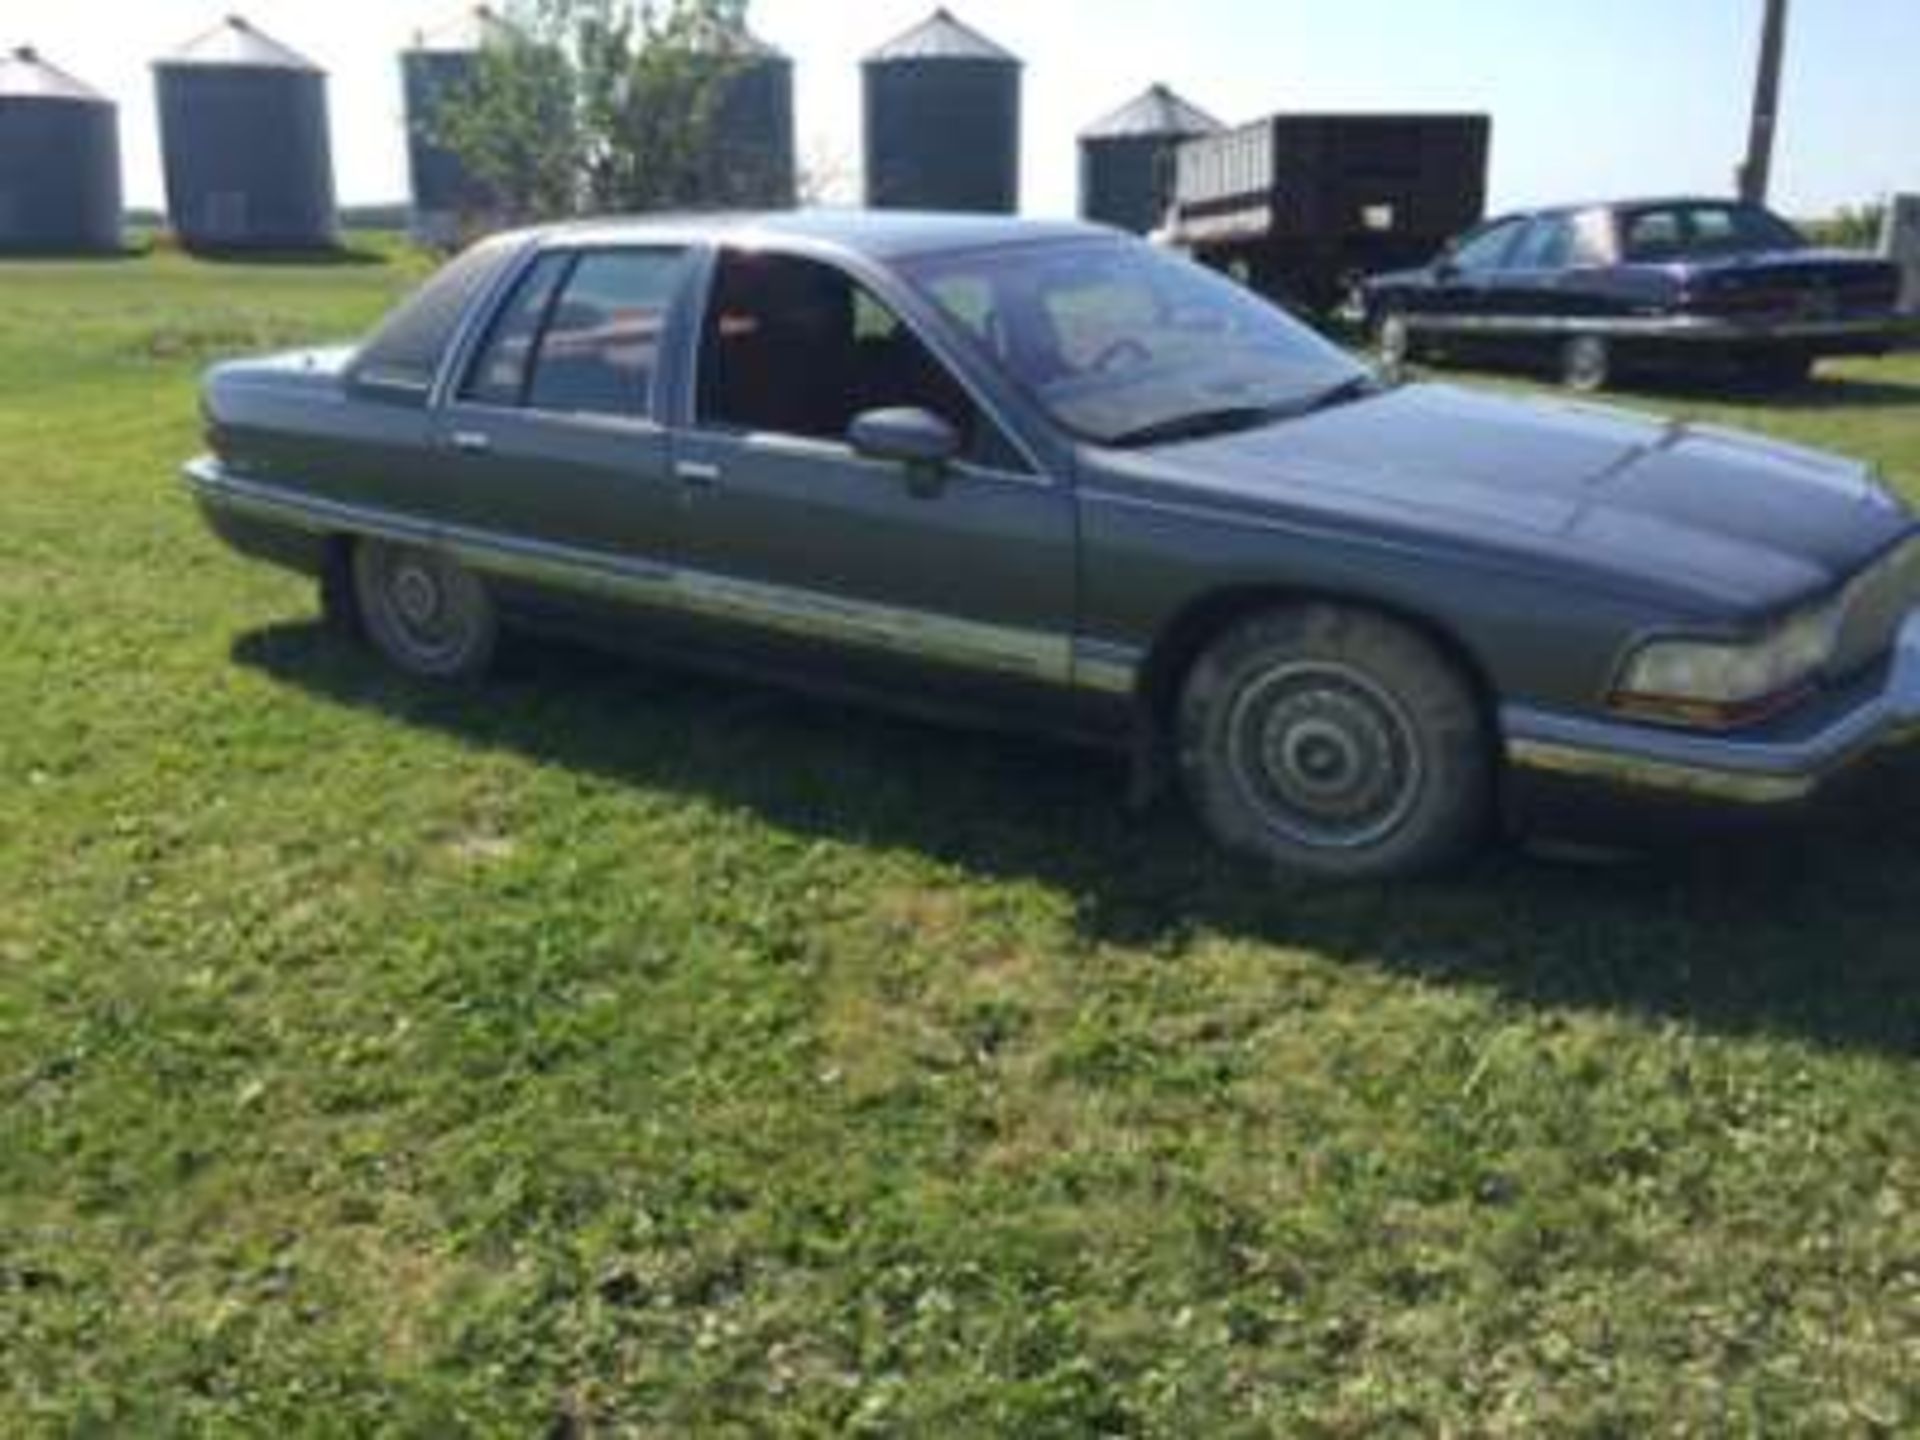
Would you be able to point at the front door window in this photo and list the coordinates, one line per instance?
(796, 347)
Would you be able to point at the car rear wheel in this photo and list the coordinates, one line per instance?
(424, 611)
(1586, 363)
(1335, 743)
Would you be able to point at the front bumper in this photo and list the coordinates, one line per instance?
(1787, 765)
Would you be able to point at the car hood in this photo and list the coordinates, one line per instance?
(1733, 521)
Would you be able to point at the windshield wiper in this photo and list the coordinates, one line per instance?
(1228, 418)
(1197, 425)
(1356, 387)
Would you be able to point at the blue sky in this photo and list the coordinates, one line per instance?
(1589, 97)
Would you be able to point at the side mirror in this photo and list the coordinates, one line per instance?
(918, 439)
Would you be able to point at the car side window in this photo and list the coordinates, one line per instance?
(1654, 235)
(1547, 245)
(600, 347)
(406, 351)
(499, 376)
(1487, 250)
(792, 346)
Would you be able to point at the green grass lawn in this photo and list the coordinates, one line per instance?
(611, 1050)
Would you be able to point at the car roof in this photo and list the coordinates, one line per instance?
(1653, 202)
(879, 234)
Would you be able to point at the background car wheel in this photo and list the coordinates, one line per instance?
(1335, 743)
(423, 611)
(1393, 342)
(1586, 364)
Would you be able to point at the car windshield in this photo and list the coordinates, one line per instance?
(1674, 232)
(1123, 344)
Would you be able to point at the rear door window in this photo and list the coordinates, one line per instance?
(499, 376)
(600, 347)
(1655, 235)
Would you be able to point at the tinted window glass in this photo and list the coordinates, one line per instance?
(796, 347)
(1488, 249)
(499, 377)
(1654, 235)
(601, 343)
(1118, 341)
(406, 350)
(1668, 232)
(1547, 245)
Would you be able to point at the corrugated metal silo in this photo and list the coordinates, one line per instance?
(59, 161)
(243, 137)
(447, 199)
(752, 164)
(1127, 159)
(943, 121)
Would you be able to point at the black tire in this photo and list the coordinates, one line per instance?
(1334, 743)
(1587, 364)
(1779, 369)
(424, 612)
(339, 606)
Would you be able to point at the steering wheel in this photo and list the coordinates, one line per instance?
(1126, 353)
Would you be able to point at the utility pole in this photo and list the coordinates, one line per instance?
(1757, 173)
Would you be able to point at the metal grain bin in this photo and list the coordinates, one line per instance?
(243, 138)
(943, 121)
(447, 200)
(59, 161)
(1127, 160)
(752, 164)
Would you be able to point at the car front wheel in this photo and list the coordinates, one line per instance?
(1335, 743)
(1393, 341)
(423, 610)
(1586, 364)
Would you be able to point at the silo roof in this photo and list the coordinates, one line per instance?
(1156, 111)
(234, 42)
(475, 28)
(941, 37)
(25, 76)
(736, 41)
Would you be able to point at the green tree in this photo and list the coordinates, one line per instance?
(595, 106)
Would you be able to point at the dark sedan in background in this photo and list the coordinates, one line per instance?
(1592, 290)
(1047, 473)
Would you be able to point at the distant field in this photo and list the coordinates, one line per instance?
(612, 1051)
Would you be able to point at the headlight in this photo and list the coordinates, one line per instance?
(1715, 683)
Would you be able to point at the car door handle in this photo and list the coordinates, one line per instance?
(697, 474)
(470, 442)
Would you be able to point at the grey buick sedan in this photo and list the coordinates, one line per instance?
(1047, 474)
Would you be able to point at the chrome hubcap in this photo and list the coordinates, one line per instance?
(425, 615)
(1324, 755)
(416, 595)
(1586, 361)
(1393, 340)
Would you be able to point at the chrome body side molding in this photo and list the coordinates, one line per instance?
(1044, 657)
(1660, 327)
